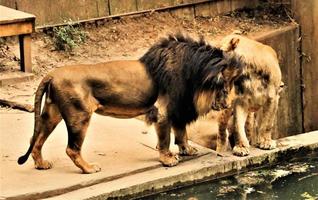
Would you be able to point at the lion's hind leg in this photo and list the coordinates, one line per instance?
(266, 124)
(181, 139)
(240, 114)
(49, 119)
(222, 144)
(163, 129)
(77, 122)
(250, 127)
(166, 157)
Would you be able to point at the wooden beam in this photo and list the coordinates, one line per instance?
(11, 29)
(25, 53)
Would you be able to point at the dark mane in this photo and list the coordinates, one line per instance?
(180, 66)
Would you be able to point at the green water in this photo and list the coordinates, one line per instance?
(297, 179)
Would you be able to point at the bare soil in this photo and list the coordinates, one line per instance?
(126, 38)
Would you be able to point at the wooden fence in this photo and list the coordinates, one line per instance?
(49, 12)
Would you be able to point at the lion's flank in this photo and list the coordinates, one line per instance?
(180, 66)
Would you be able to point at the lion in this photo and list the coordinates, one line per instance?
(257, 92)
(189, 77)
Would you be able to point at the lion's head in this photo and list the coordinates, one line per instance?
(217, 86)
(257, 56)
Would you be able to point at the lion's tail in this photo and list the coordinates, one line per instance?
(37, 112)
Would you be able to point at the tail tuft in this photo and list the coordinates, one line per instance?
(23, 159)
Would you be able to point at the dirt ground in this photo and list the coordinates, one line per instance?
(126, 38)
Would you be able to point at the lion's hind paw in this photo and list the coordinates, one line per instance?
(188, 151)
(93, 168)
(43, 165)
(169, 159)
(267, 144)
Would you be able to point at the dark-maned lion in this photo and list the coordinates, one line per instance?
(257, 90)
(188, 77)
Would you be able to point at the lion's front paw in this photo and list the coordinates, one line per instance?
(241, 150)
(43, 165)
(92, 168)
(168, 159)
(267, 144)
(187, 150)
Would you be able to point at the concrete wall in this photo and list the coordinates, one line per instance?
(306, 14)
(289, 115)
(50, 12)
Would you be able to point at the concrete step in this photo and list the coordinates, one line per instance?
(207, 167)
(14, 77)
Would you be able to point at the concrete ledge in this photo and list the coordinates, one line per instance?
(121, 147)
(7, 78)
(204, 168)
(128, 158)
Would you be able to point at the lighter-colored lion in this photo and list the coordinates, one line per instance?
(257, 93)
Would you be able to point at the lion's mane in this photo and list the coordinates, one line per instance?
(180, 67)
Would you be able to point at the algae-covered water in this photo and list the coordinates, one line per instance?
(296, 179)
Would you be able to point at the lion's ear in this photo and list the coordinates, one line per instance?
(229, 44)
(281, 87)
(233, 43)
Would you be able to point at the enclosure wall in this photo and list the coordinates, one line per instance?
(306, 14)
(289, 115)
